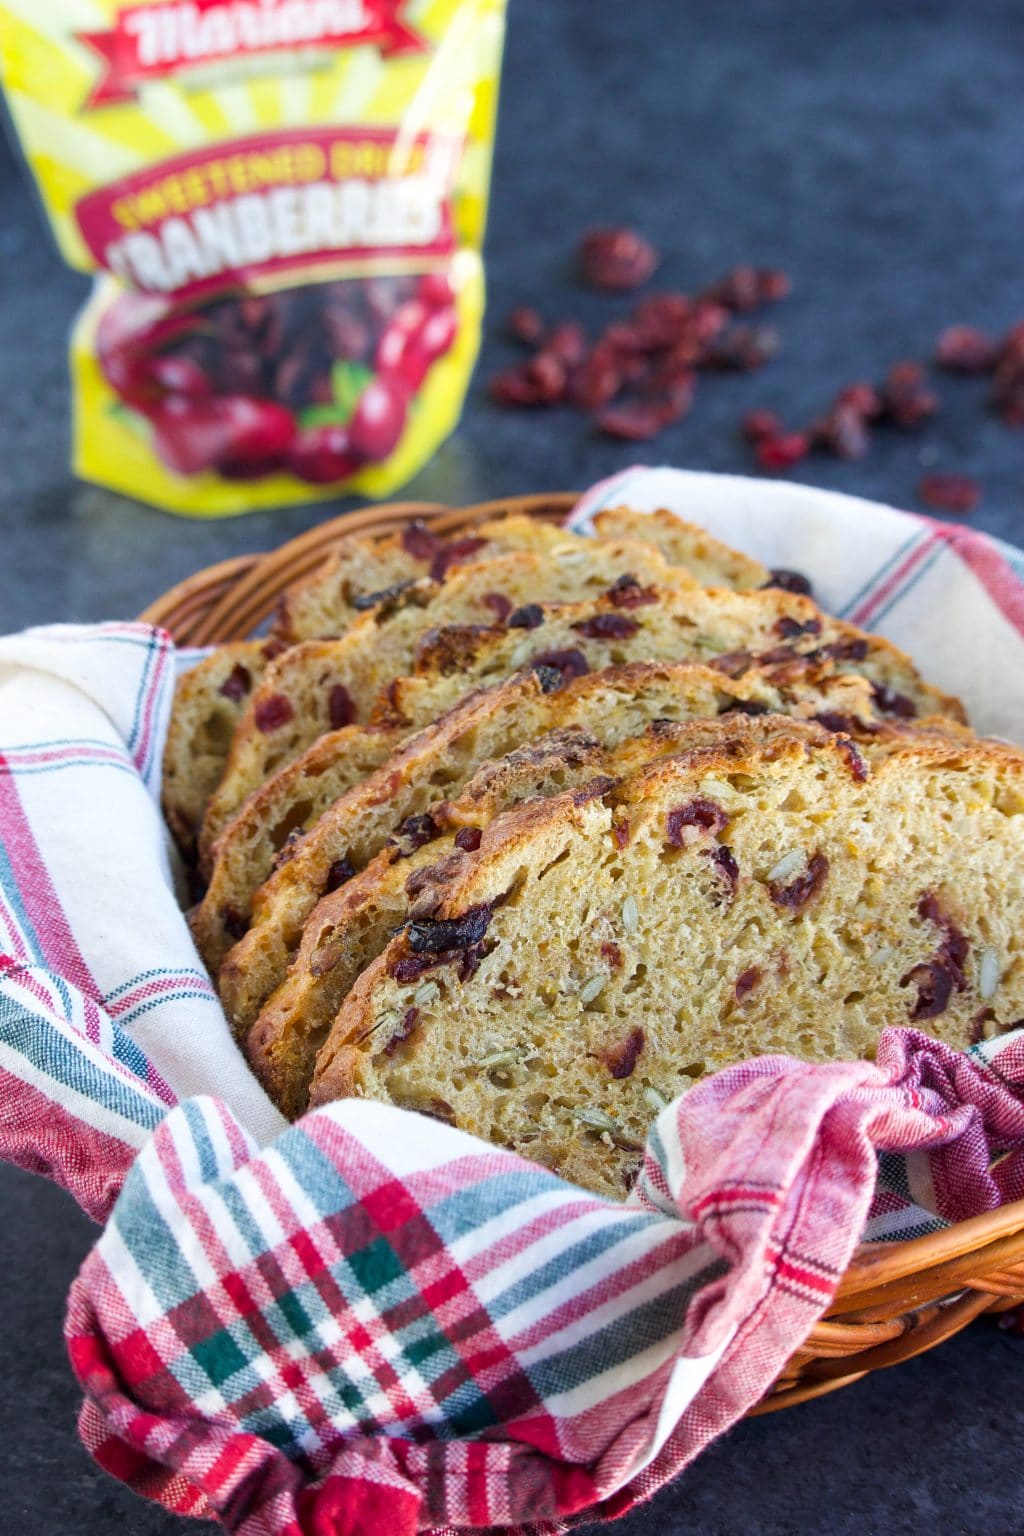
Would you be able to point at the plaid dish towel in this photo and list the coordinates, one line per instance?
(369, 1320)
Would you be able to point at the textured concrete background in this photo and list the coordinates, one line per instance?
(872, 150)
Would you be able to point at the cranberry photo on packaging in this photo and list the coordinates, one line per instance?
(316, 381)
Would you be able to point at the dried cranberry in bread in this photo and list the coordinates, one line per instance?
(713, 563)
(618, 719)
(765, 894)
(321, 685)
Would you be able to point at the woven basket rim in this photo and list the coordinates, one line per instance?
(896, 1299)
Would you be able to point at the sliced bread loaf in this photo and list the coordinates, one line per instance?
(623, 718)
(766, 893)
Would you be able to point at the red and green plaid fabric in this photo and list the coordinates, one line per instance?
(378, 1323)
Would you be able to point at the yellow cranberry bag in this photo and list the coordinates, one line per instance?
(284, 204)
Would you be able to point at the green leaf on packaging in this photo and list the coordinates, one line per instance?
(322, 416)
(348, 380)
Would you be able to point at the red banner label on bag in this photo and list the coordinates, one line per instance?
(274, 203)
(150, 42)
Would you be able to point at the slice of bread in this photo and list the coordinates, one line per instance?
(209, 701)
(630, 710)
(665, 630)
(363, 572)
(593, 957)
(321, 685)
(713, 563)
(733, 631)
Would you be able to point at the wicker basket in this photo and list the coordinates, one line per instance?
(896, 1300)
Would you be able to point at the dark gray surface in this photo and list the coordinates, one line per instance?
(875, 152)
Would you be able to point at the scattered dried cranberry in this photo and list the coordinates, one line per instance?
(1008, 384)
(949, 493)
(607, 626)
(745, 348)
(778, 453)
(862, 398)
(613, 954)
(341, 708)
(596, 381)
(965, 349)
(548, 376)
(746, 287)
(635, 423)
(906, 401)
(843, 432)
(273, 712)
(237, 684)
(662, 319)
(468, 839)
(774, 285)
(761, 424)
(567, 342)
(525, 325)
(616, 259)
(514, 387)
